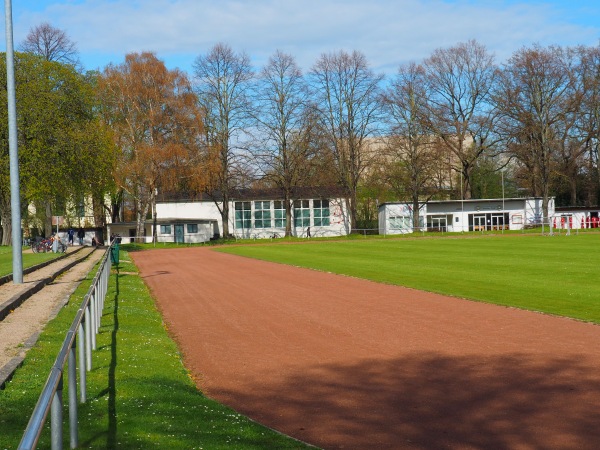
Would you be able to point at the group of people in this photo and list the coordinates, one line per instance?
(80, 235)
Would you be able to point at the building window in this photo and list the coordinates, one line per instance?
(192, 228)
(243, 217)
(301, 213)
(279, 210)
(400, 223)
(321, 213)
(262, 214)
(165, 229)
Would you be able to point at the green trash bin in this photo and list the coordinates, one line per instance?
(114, 253)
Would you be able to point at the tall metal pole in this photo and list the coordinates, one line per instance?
(15, 201)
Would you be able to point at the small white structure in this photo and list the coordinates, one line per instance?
(576, 217)
(181, 230)
(464, 215)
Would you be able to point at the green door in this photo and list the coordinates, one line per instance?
(179, 234)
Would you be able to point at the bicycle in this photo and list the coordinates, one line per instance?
(46, 245)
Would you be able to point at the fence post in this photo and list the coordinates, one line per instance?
(88, 336)
(82, 378)
(93, 310)
(72, 364)
(56, 417)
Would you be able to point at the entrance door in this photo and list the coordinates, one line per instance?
(179, 234)
(479, 223)
(497, 221)
(439, 224)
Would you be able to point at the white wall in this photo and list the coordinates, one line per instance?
(338, 219)
(396, 218)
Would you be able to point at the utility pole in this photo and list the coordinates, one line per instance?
(15, 200)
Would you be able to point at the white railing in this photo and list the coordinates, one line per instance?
(81, 335)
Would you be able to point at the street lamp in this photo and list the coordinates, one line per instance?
(15, 201)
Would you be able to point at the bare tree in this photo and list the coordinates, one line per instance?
(535, 97)
(51, 43)
(286, 125)
(588, 122)
(412, 152)
(347, 92)
(223, 82)
(459, 81)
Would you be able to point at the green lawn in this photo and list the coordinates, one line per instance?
(553, 274)
(29, 259)
(139, 394)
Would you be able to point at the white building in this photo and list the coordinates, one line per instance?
(575, 217)
(463, 215)
(252, 215)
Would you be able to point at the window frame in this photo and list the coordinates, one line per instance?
(302, 213)
(242, 215)
(321, 213)
(279, 222)
(262, 215)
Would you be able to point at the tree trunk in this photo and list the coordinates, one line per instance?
(6, 218)
(48, 219)
(415, 213)
(225, 216)
(288, 215)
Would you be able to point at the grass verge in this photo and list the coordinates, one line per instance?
(139, 394)
(29, 259)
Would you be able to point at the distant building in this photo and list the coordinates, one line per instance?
(253, 214)
(464, 215)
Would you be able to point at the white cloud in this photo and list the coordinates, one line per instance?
(388, 32)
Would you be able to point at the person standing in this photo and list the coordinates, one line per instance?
(71, 234)
(80, 235)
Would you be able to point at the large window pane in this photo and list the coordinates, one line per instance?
(301, 213)
(262, 214)
(243, 217)
(321, 213)
(279, 210)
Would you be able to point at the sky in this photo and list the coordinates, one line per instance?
(388, 32)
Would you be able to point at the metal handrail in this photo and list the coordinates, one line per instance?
(84, 328)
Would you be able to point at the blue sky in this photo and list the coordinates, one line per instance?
(388, 32)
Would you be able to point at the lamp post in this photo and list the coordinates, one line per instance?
(503, 208)
(15, 201)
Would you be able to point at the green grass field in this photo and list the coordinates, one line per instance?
(29, 259)
(553, 274)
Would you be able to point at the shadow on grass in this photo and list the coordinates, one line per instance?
(432, 401)
(112, 384)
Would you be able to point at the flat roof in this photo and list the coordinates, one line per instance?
(471, 200)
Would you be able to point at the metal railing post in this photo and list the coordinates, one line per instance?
(93, 311)
(72, 364)
(82, 375)
(88, 337)
(56, 417)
